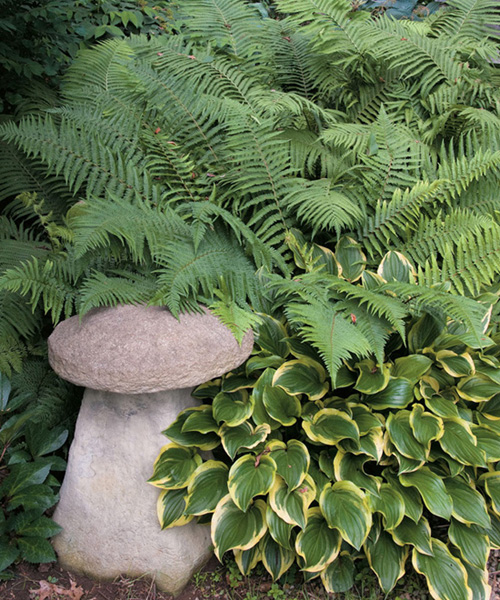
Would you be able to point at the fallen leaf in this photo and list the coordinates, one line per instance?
(48, 591)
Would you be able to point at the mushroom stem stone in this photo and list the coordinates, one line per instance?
(139, 365)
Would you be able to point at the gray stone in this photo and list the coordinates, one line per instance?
(107, 510)
(139, 349)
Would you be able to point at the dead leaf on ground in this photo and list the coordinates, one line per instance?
(51, 591)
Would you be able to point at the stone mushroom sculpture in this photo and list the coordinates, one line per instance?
(139, 365)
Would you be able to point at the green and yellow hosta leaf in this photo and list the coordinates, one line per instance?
(372, 378)
(371, 444)
(456, 365)
(259, 363)
(233, 529)
(234, 408)
(303, 376)
(493, 531)
(329, 426)
(281, 406)
(412, 367)
(425, 426)
(396, 267)
(250, 476)
(477, 388)
(489, 423)
(401, 435)
(280, 530)
(432, 489)
(247, 559)
(397, 394)
(292, 462)
(446, 576)
(491, 408)
(271, 336)
(174, 466)
(170, 508)
(414, 534)
(338, 577)
(386, 559)
(390, 504)
(317, 543)
(349, 467)
(438, 454)
(488, 441)
(207, 486)
(200, 420)
(469, 505)
(460, 443)
(351, 259)
(472, 542)
(203, 441)
(345, 507)
(260, 416)
(236, 383)
(365, 419)
(442, 407)
(413, 502)
(491, 482)
(477, 581)
(276, 559)
(242, 436)
(292, 505)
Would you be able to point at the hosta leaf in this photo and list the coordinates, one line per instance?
(415, 534)
(477, 581)
(207, 486)
(276, 559)
(247, 559)
(250, 476)
(401, 435)
(413, 502)
(236, 383)
(280, 530)
(281, 406)
(259, 363)
(372, 378)
(345, 508)
(201, 421)
(292, 505)
(338, 577)
(303, 376)
(468, 504)
(425, 426)
(411, 367)
(203, 441)
(329, 426)
(390, 504)
(242, 436)
(489, 442)
(459, 442)
(493, 531)
(472, 542)
(396, 267)
(446, 576)
(491, 483)
(271, 335)
(174, 466)
(386, 559)
(36, 549)
(292, 462)
(351, 259)
(397, 394)
(477, 388)
(441, 406)
(260, 416)
(233, 529)
(432, 490)
(232, 409)
(365, 419)
(317, 543)
(170, 508)
(456, 365)
(349, 467)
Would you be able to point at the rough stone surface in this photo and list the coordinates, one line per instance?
(139, 349)
(107, 509)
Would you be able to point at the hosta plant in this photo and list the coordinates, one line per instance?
(395, 460)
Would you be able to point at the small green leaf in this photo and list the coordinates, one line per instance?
(396, 267)
(411, 367)
(280, 530)
(9, 552)
(401, 435)
(491, 483)
(413, 503)
(292, 461)
(281, 406)
(468, 504)
(39, 527)
(389, 503)
(5, 388)
(456, 365)
(317, 543)
(247, 559)
(23, 475)
(36, 549)
(175, 432)
(425, 426)
(351, 259)
(459, 442)
(397, 394)
(477, 388)
(292, 505)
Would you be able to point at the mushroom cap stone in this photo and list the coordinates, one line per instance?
(144, 349)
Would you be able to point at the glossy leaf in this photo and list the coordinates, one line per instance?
(472, 542)
(491, 482)
(386, 559)
(432, 490)
(338, 577)
(292, 505)
(401, 435)
(250, 476)
(414, 534)
(201, 421)
(170, 508)
(247, 559)
(390, 504)
(425, 426)
(317, 543)
(280, 530)
(207, 486)
(397, 394)
(477, 388)
(413, 502)
(276, 559)
(459, 442)
(281, 406)
(351, 259)
(174, 466)
(242, 436)
(303, 376)
(411, 367)
(232, 409)
(349, 467)
(329, 426)
(372, 378)
(204, 441)
(469, 505)
(396, 267)
(292, 462)
(456, 365)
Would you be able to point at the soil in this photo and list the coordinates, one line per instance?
(214, 582)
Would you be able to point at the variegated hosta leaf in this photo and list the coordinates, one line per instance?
(488, 441)
(242, 436)
(281, 406)
(371, 444)
(271, 336)
(303, 376)
(413, 502)
(349, 467)
(345, 507)
(174, 466)
(292, 461)
(234, 408)
(203, 441)
(412, 367)
(233, 529)
(491, 482)
(292, 505)
(472, 542)
(415, 534)
(469, 505)
(365, 419)
(351, 258)
(493, 531)
(235, 383)
(329, 426)
(446, 576)
(317, 543)
(250, 476)
(260, 416)
(338, 577)
(170, 508)
(396, 267)
(372, 378)
(460, 443)
(456, 365)
(477, 581)
(259, 363)
(386, 559)
(401, 435)
(437, 454)
(247, 559)
(477, 388)
(390, 504)
(207, 486)
(442, 407)
(425, 426)
(432, 490)
(280, 530)
(397, 394)
(200, 420)
(276, 559)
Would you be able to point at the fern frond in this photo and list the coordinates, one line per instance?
(467, 18)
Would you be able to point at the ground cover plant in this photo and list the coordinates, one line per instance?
(266, 166)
